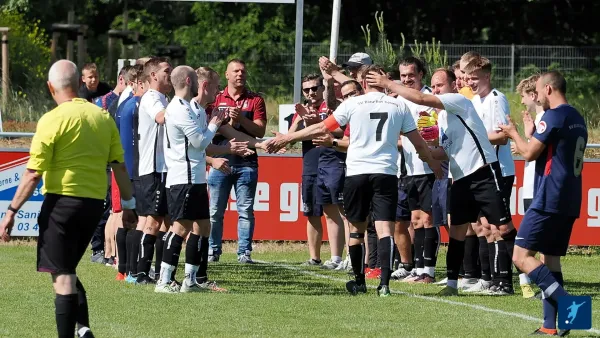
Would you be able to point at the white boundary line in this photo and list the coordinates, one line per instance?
(434, 299)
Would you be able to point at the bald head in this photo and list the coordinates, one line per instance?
(63, 75)
(183, 76)
(555, 80)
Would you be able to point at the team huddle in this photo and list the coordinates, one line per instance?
(391, 159)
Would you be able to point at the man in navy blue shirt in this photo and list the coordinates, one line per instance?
(558, 145)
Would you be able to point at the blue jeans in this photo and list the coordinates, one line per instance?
(243, 180)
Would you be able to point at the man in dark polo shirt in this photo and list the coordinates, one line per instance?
(250, 117)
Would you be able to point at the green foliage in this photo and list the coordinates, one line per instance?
(149, 27)
(29, 53)
(432, 55)
(382, 53)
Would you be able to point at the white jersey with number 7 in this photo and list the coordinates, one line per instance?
(376, 121)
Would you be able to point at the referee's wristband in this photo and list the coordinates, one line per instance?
(129, 204)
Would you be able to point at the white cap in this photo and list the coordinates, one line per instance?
(357, 60)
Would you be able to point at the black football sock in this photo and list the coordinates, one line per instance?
(471, 256)
(357, 258)
(171, 252)
(66, 308)
(430, 250)
(493, 258)
(202, 272)
(134, 253)
(386, 254)
(396, 258)
(121, 237)
(509, 242)
(373, 248)
(456, 250)
(146, 253)
(419, 241)
(504, 263)
(192, 257)
(83, 316)
(158, 246)
(484, 259)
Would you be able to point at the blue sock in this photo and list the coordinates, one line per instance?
(547, 282)
(550, 306)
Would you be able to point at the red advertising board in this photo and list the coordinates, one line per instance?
(278, 202)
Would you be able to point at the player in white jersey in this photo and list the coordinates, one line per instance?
(152, 171)
(473, 164)
(492, 106)
(526, 89)
(376, 121)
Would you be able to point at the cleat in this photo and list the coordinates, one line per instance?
(189, 286)
(448, 291)
(443, 282)
(110, 261)
(563, 333)
(466, 283)
(500, 289)
(383, 291)
(144, 279)
(130, 279)
(214, 258)
(85, 333)
(312, 262)
(480, 287)
(98, 257)
(412, 277)
(345, 265)
(212, 286)
(424, 279)
(331, 265)
(354, 288)
(120, 276)
(539, 332)
(373, 273)
(400, 274)
(165, 288)
(527, 291)
(245, 258)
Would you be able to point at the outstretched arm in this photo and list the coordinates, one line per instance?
(413, 95)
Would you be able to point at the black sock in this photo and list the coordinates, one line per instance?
(172, 248)
(373, 249)
(493, 259)
(121, 236)
(471, 255)
(430, 247)
(456, 250)
(146, 253)
(484, 259)
(192, 254)
(83, 316)
(397, 259)
(412, 251)
(357, 258)
(66, 308)
(159, 251)
(386, 254)
(461, 271)
(504, 263)
(419, 241)
(202, 271)
(509, 241)
(134, 251)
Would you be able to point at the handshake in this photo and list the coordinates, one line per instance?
(427, 125)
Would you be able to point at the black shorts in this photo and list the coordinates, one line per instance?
(188, 202)
(479, 191)
(66, 226)
(309, 196)
(440, 202)
(402, 210)
(377, 190)
(506, 187)
(152, 195)
(419, 189)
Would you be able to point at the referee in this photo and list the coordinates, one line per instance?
(70, 150)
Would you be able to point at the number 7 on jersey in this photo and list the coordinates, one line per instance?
(382, 117)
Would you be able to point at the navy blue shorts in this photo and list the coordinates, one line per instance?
(440, 196)
(330, 185)
(309, 196)
(402, 210)
(545, 232)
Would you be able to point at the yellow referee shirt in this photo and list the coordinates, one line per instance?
(71, 147)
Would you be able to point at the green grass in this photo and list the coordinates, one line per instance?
(281, 298)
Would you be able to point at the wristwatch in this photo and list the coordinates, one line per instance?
(335, 142)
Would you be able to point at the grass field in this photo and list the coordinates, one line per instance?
(277, 297)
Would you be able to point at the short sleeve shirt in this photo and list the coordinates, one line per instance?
(151, 134)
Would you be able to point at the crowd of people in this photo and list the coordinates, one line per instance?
(388, 158)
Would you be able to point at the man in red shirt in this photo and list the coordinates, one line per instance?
(250, 117)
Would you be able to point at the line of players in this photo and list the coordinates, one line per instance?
(423, 204)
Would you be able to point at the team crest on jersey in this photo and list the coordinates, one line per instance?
(541, 127)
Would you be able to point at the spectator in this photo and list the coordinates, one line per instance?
(91, 88)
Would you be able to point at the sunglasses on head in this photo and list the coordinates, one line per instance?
(314, 89)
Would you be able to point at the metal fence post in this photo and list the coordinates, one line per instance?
(5, 63)
(512, 67)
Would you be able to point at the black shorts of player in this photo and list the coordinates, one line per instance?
(309, 196)
(479, 191)
(377, 190)
(448, 188)
(402, 209)
(419, 189)
(66, 226)
(440, 197)
(152, 195)
(506, 186)
(188, 202)
(330, 182)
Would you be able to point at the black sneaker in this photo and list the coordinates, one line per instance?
(354, 288)
(88, 334)
(144, 279)
(110, 261)
(501, 289)
(563, 333)
(98, 257)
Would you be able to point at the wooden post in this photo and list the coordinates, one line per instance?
(109, 59)
(53, 47)
(136, 46)
(5, 79)
(70, 20)
(81, 48)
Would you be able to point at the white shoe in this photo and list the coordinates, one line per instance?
(480, 287)
(331, 265)
(466, 283)
(400, 274)
(345, 265)
(411, 277)
(191, 286)
(443, 282)
(165, 288)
